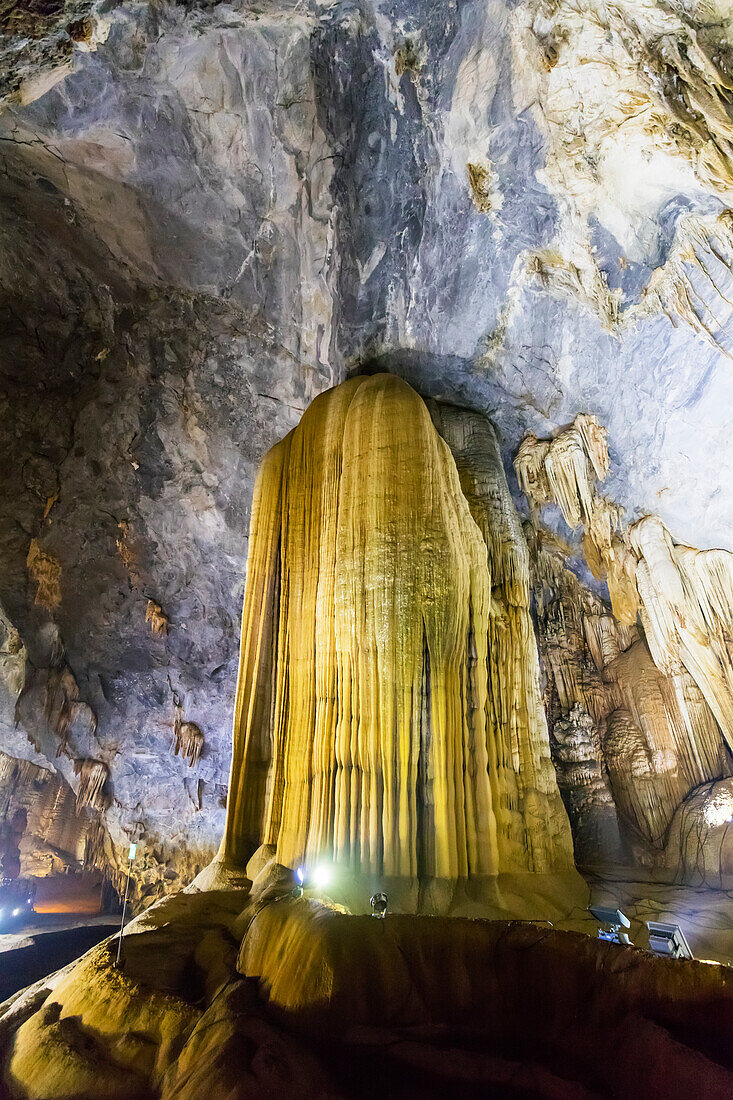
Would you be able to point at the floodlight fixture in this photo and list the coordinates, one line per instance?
(668, 940)
(616, 921)
(378, 903)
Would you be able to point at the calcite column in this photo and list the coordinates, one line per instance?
(387, 713)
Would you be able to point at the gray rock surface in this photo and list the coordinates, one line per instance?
(224, 209)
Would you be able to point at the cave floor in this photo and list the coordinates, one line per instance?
(29, 955)
(704, 914)
(241, 993)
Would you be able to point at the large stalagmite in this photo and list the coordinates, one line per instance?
(388, 715)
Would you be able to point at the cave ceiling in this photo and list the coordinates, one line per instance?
(210, 213)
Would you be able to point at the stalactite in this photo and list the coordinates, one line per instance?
(100, 855)
(662, 700)
(95, 844)
(529, 465)
(658, 737)
(685, 596)
(189, 740)
(574, 637)
(90, 791)
(55, 692)
(157, 618)
(565, 469)
(371, 722)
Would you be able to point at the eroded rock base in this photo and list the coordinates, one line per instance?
(233, 994)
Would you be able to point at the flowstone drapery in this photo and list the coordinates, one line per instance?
(655, 676)
(388, 714)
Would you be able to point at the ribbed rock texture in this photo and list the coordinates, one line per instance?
(388, 715)
(212, 213)
(653, 696)
(41, 834)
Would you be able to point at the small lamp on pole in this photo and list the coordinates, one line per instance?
(131, 856)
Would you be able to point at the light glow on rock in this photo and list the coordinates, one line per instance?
(321, 877)
(720, 810)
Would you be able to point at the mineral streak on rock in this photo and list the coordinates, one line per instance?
(482, 181)
(46, 572)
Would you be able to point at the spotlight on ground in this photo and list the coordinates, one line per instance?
(378, 903)
(616, 921)
(299, 881)
(668, 940)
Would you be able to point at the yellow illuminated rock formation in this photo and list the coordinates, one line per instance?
(388, 715)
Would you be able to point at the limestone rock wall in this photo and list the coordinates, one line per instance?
(180, 323)
(40, 832)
